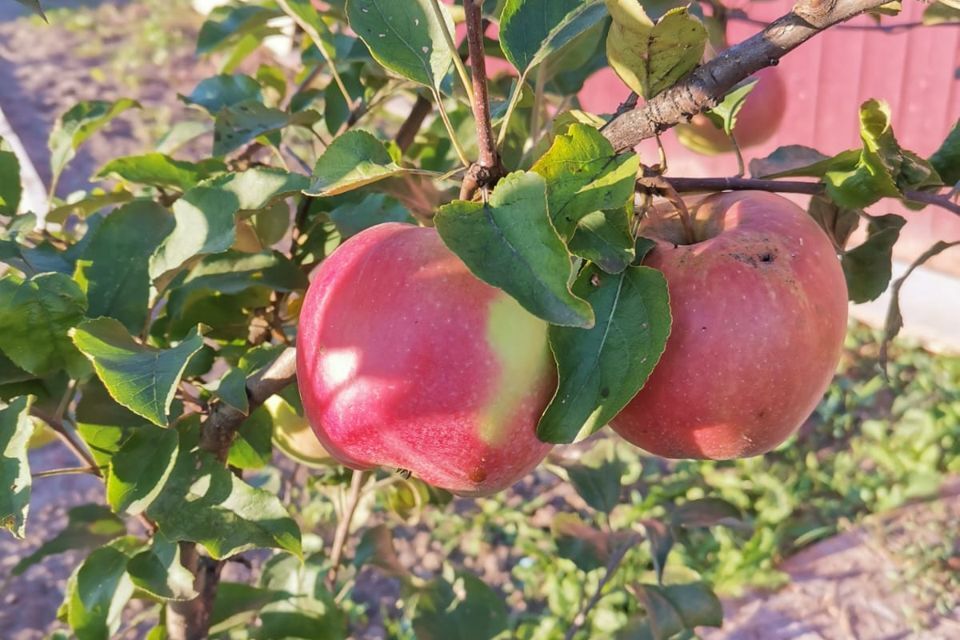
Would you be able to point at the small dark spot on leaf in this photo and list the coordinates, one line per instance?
(595, 280)
(605, 392)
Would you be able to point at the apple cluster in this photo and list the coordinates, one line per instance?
(407, 360)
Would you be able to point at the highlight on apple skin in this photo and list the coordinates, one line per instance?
(757, 121)
(406, 360)
(759, 306)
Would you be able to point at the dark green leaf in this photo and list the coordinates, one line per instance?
(204, 502)
(580, 542)
(946, 160)
(602, 368)
(354, 159)
(231, 388)
(88, 526)
(237, 603)
(603, 237)
(376, 548)
(836, 221)
(661, 542)
(10, 187)
(139, 469)
(707, 512)
(95, 201)
(867, 266)
(681, 607)
(16, 429)
(584, 175)
(99, 589)
(35, 316)
(158, 571)
(206, 215)
(598, 485)
(118, 282)
(510, 243)
(797, 160)
(139, 377)
(405, 37)
(309, 611)
(162, 170)
(225, 90)
(650, 57)
(530, 30)
(245, 121)
(102, 422)
(78, 124)
(465, 610)
(375, 208)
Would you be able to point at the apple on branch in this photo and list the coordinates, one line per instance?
(407, 360)
(759, 306)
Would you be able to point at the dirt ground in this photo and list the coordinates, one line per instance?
(867, 584)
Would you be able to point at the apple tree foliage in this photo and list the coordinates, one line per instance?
(133, 310)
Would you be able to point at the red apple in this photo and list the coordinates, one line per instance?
(757, 121)
(406, 360)
(759, 306)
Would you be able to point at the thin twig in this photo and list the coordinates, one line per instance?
(357, 481)
(65, 472)
(704, 88)
(612, 565)
(59, 426)
(411, 126)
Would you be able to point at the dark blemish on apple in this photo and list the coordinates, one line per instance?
(478, 475)
(767, 257)
(703, 328)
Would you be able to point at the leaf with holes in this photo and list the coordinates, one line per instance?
(602, 368)
(244, 122)
(650, 57)
(139, 377)
(405, 37)
(510, 243)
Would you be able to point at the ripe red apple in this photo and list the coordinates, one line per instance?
(757, 121)
(759, 306)
(406, 360)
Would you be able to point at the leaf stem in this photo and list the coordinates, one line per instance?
(612, 565)
(511, 106)
(538, 88)
(457, 62)
(446, 122)
(65, 471)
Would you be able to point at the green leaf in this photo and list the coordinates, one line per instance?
(598, 485)
(707, 512)
(226, 25)
(139, 469)
(883, 169)
(309, 610)
(244, 122)
(946, 159)
(98, 591)
(141, 378)
(477, 613)
(95, 201)
(941, 13)
(161, 170)
(724, 115)
(405, 37)
(206, 503)
(531, 30)
(650, 57)
(837, 222)
(376, 208)
(78, 124)
(225, 90)
(584, 175)
(238, 603)
(10, 187)
(376, 549)
(510, 243)
(16, 428)
(353, 160)
(602, 368)
(158, 571)
(679, 608)
(797, 160)
(103, 423)
(231, 388)
(117, 276)
(603, 237)
(868, 267)
(580, 542)
(253, 446)
(35, 316)
(206, 215)
(88, 526)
